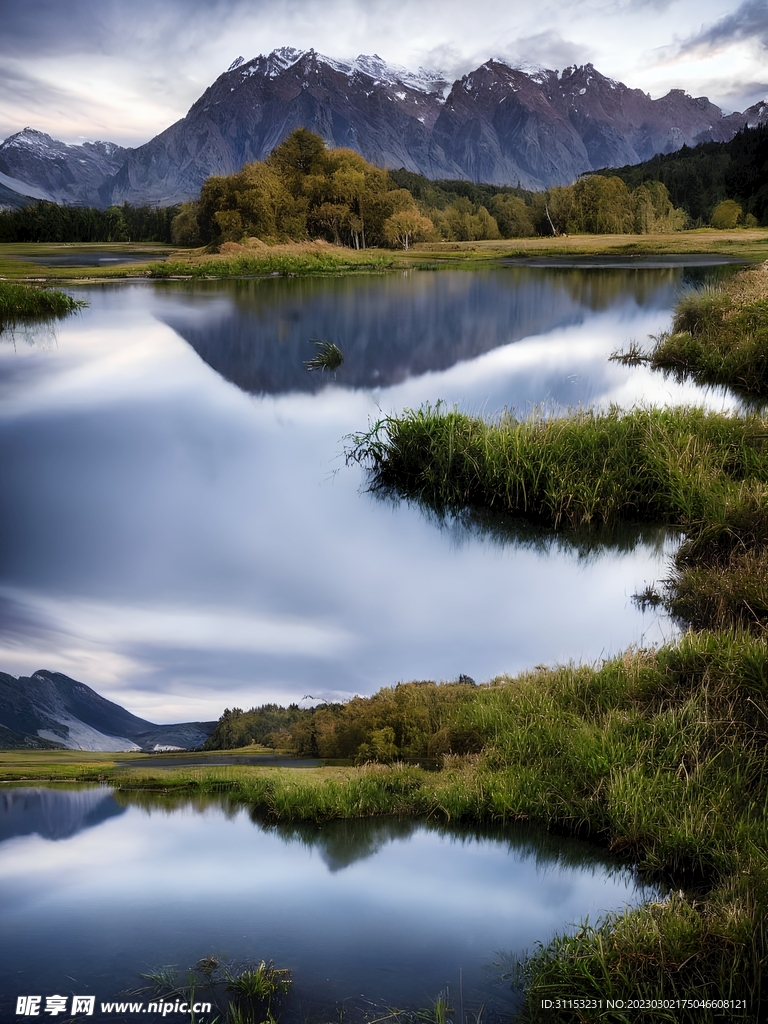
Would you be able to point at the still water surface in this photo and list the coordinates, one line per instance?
(181, 532)
(98, 888)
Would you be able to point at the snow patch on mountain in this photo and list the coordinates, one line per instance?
(82, 737)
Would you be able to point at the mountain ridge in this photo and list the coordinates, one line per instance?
(49, 709)
(498, 124)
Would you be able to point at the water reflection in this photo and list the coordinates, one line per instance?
(382, 907)
(53, 813)
(390, 328)
(587, 543)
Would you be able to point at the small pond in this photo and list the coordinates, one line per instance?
(99, 888)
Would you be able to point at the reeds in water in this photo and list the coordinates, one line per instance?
(20, 303)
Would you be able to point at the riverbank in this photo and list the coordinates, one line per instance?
(17, 260)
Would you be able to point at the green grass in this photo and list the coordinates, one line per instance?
(328, 356)
(673, 466)
(716, 341)
(20, 303)
(266, 262)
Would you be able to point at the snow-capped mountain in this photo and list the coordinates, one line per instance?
(499, 124)
(39, 166)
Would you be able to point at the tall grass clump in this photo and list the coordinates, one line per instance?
(719, 335)
(672, 466)
(327, 357)
(21, 302)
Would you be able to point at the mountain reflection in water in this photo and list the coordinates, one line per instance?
(53, 813)
(257, 333)
(173, 537)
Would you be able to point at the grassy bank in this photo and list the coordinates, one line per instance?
(747, 244)
(299, 258)
(719, 335)
(646, 465)
(17, 260)
(20, 303)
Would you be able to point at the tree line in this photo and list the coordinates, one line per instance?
(49, 222)
(303, 190)
(409, 720)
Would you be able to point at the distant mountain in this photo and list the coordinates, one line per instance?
(10, 199)
(34, 164)
(49, 709)
(498, 124)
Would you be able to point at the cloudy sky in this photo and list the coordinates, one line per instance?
(119, 70)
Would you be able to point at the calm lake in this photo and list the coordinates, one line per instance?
(98, 889)
(180, 530)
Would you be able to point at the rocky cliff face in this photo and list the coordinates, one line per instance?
(498, 124)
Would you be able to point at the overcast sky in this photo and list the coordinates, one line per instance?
(123, 71)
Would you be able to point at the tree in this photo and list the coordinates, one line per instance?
(301, 153)
(726, 214)
(512, 215)
(407, 226)
(185, 231)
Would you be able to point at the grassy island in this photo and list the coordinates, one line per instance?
(20, 303)
(720, 335)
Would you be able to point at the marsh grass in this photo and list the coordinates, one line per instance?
(327, 357)
(244, 993)
(282, 261)
(719, 335)
(665, 466)
(632, 355)
(20, 303)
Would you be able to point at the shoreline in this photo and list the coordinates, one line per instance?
(746, 245)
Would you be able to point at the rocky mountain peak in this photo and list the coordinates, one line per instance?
(33, 141)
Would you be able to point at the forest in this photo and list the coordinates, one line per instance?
(305, 190)
(728, 175)
(410, 720)
(49, 222)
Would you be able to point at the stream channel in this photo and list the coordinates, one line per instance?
(181, 532)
